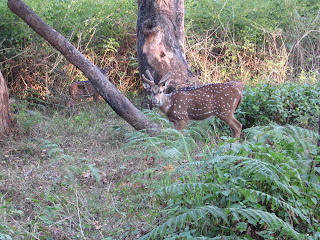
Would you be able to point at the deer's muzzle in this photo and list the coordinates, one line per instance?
(155, 102)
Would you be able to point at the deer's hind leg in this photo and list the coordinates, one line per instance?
(234, 125)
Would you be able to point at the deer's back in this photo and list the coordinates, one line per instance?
(81, 89)
(200, 103)
(236, 84)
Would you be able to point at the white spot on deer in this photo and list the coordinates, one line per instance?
(234, 102)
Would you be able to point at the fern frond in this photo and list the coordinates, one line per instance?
(205, 214)
(169, 145)
(275, 201)
(194, 215)
(224, 237)
(265, 171)
(182, 187)
(302, 138)
(274, 223)
(253, 166)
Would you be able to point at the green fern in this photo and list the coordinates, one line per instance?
(274, 223)
(303, 139)
(178, 222)
(261, 181)
(253, 196)
(212, 214)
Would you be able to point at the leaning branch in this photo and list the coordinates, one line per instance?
(119, 103)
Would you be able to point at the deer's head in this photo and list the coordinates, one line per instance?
(157, 91)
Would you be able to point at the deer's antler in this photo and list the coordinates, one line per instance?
(165, 78)
(151, 81)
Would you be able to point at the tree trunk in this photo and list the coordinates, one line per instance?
(318, 144)
(5, 114)
(119, 103)
(161, 41)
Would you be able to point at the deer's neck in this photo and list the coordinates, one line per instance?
(166, 103)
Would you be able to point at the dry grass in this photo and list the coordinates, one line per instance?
(221, 60)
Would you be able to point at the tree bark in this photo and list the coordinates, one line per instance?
(318, 144)
(161, 41)
(119, 103)
(5, 113)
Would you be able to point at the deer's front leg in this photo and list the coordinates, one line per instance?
(96, 97)
(180, 124)
(70, 104)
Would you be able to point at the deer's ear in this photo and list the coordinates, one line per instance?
(167, 83)
(146, 86)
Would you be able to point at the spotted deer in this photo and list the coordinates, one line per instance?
(83, 89)
(182, 105)
(80, 90)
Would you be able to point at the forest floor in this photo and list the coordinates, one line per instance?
(59, 176)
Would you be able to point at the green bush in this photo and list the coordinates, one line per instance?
(250, 20)
(288, 103)
(264, 188)
(77, 20)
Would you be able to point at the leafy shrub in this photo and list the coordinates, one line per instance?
(265, 188)
(77, 19)
(288, 103)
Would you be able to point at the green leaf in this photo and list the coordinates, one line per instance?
(242, 226)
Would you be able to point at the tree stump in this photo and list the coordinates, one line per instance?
(6, 122)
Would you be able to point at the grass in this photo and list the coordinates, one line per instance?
(58, 176)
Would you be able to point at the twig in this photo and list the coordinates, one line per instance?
(79, 216)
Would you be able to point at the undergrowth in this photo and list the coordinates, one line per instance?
(267, 187)
(295, 103)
